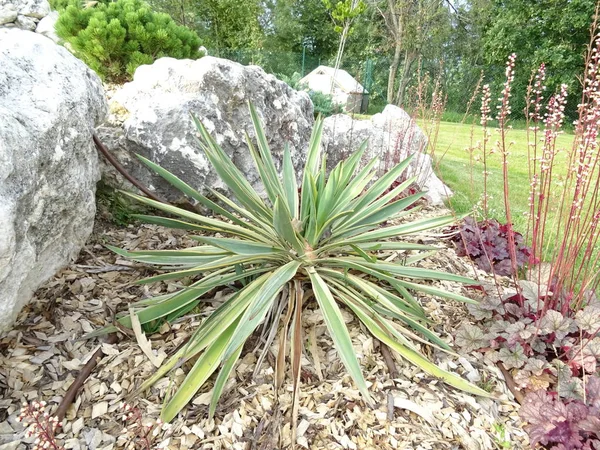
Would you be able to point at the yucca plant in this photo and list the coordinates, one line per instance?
(321, 240)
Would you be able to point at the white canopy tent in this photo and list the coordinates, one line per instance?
(343, 87)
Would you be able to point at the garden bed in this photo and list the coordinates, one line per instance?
(41, 356)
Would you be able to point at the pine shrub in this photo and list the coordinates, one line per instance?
(116, 37)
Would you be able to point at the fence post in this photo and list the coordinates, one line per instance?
(367, 84)
(303, 58)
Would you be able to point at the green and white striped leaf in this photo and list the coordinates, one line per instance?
(203, 368)
(261, 303)
(401, 230)
(224, 374)
(290, 185)
(337, 330)
(417, 359)
(282, 222)
(239, 246)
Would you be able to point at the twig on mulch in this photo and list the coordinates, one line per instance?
(83, 375)
(111, 159)
(510, 383)
(390, 406)
(97, 269)
(389, 360)
(257, 433)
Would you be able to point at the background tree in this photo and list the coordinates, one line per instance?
(221, 24)
(343, 13)
(416, 29)
(295, 24)
(182, 11)
(230, 24)
(463, 54)
(551, 31)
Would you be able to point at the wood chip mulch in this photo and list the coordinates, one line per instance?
(42, 355)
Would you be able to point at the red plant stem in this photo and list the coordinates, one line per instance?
(485, 111)
(532, 157)
(589, 261)
(510, 230)
(485, 177)
(502, 119)
(545, 194)
(47, 433)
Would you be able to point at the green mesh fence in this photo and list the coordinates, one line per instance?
(364, 70)
(372, 72)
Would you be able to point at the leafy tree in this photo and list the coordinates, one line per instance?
(416, 28)
(114, 38)
(464, 56)
(343, 13)
(295, 25)
(221, 24)
(229, 24)
(182, 11)
(550, 31)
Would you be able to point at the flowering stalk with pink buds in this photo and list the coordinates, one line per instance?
(41, 425)
(144, 434)
(564, 206)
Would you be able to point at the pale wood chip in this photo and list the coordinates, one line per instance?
(99, 409)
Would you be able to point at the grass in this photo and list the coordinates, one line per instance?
(517, 124)
(115, 207)
(457, 146)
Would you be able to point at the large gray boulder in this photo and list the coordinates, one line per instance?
(392, 136)
(151, 116)
(49, 104)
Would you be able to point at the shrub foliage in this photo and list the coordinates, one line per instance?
(114, 38)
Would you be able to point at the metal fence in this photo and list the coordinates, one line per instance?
(372, 72)
(289, 63)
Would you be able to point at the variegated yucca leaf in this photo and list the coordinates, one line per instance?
(323, 238)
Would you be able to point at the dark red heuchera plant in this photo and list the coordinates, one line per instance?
(559, 424)
(487, 244)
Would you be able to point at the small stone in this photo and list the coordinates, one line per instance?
(14, 445)
(77, 426)
(5, 428)
(34, 8)
(8, 14)
(46, 26)
(25, 23)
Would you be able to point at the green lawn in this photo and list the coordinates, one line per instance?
(454, 168)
